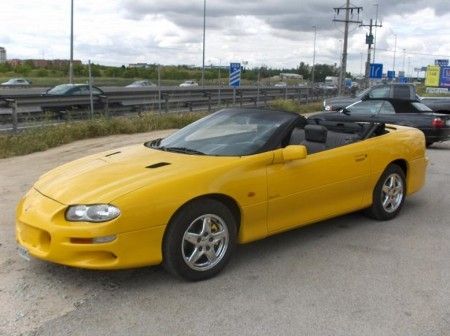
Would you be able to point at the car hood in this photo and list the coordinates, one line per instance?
(103, 177)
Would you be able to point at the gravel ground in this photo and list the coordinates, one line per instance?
(346, 276)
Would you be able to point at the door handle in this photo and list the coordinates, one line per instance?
(360, 157)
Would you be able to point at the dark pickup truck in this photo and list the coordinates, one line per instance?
(389, 91)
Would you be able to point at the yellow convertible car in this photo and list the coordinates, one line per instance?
(235, 176)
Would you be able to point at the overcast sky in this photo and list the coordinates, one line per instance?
(274, 33)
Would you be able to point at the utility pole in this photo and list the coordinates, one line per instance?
(348, 10)
(375, 34)
(369, 42)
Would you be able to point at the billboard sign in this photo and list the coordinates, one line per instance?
(445, 77)
(433, 75)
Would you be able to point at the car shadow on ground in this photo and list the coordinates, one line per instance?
(295, 242)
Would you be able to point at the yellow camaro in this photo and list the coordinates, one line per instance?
(235, 176)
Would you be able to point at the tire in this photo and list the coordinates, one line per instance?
(389, 194)
(199, 240)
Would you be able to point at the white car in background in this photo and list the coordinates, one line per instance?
(141, 83)
(17, 82)
(280, 84)
(189, 83)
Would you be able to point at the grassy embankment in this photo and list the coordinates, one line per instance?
(40, 139)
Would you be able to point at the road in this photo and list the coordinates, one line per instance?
(346, 276)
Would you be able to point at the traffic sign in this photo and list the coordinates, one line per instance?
(391, 74)
(235, 74)
(445, 77)
(376, 70)
(441, 62)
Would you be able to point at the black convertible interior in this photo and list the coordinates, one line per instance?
(322, 135)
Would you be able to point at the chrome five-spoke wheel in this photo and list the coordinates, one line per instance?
(205, 242)
(389, 193)
(392, 193)
(200, 239)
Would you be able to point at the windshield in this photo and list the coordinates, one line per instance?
(60, 89)
(370, 107)
(362, 93)
(230, 132)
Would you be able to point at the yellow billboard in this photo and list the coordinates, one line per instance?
(432, 76)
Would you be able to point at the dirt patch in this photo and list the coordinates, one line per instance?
(29, 296)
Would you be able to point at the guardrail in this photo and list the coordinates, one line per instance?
(116, 101)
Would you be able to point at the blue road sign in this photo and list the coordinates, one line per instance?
(403, 80)
(441, 62)
(391, 74)
(445, 77)
(235, 74)
(376, 70)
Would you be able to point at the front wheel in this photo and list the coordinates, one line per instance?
(199, 240)
(389, 194)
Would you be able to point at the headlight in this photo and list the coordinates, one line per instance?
(95, 213)
(328, 108)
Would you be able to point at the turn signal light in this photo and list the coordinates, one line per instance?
(96, 240)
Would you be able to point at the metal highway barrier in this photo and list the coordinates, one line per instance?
(19, 108)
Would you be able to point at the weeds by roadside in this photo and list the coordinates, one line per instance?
(40, 139)
(43, 138)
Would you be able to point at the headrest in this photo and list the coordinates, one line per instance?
(316, 133)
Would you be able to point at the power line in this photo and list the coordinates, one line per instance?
(416, 53)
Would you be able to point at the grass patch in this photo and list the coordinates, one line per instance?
(294, 106)
(40, 139)
(43, 138)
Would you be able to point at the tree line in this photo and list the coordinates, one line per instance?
(176, 72)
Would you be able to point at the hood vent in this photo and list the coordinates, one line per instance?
(158, 165)
(111, 154)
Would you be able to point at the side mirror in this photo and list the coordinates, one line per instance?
(294, 152)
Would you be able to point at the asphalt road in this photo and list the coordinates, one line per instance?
(346, 276)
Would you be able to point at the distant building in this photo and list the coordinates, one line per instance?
(2, 55)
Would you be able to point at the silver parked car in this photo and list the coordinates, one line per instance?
(189, 83)
(17, 82)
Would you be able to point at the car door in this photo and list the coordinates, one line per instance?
(322, 185)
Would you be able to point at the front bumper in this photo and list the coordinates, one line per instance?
(43, 231)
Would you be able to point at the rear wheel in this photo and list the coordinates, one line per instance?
(389, 194)
(199, 240)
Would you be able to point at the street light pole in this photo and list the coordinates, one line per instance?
(395, 51)
(314, 56)
(204, 33)
(71, 44)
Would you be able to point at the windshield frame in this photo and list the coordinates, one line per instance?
(263, 132)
